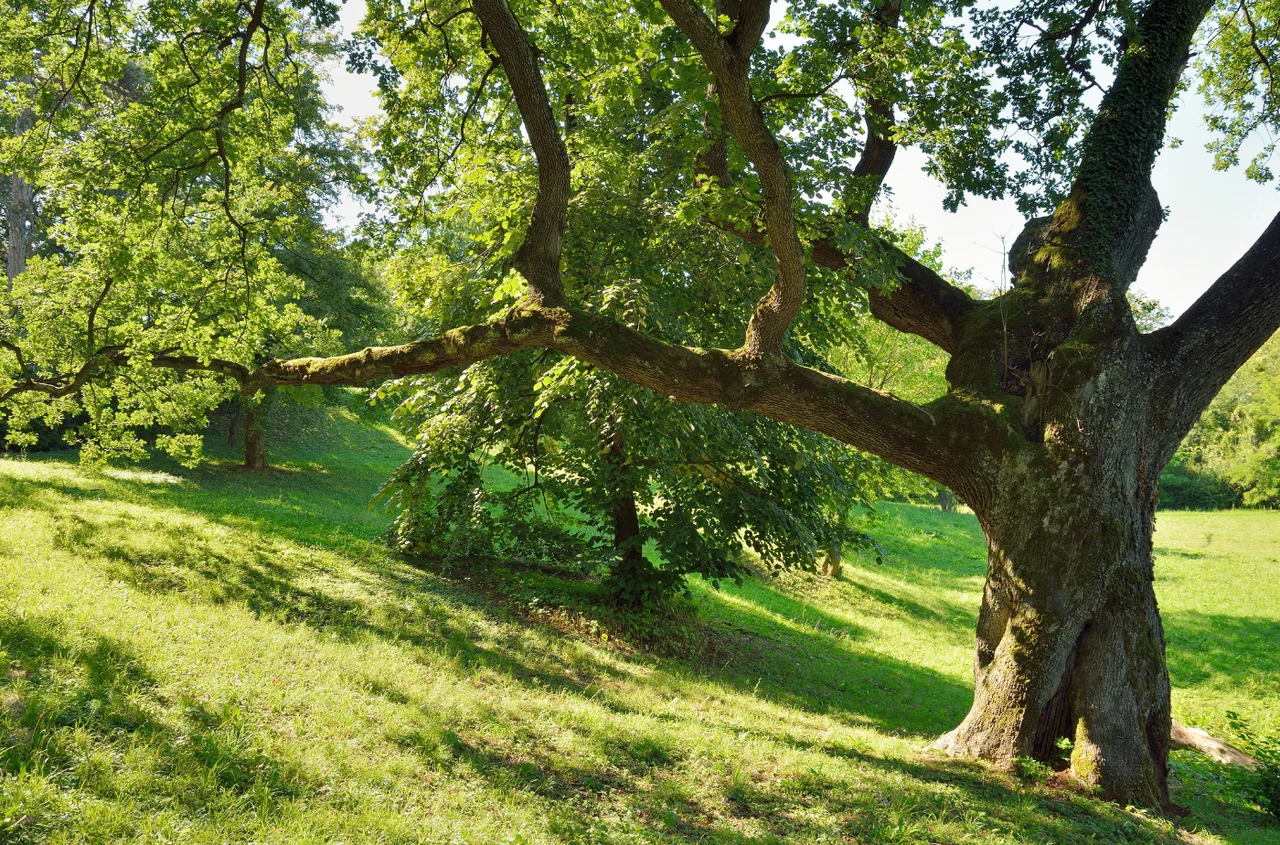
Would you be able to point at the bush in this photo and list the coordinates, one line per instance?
(1184, 488)
(1263, 784)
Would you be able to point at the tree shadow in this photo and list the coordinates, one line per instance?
(892, 800)
(73, 705)
(950, 544)
(772, 648)
(1217, 647)
(948, 614)
(812, 661)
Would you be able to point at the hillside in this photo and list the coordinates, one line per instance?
(212, 656)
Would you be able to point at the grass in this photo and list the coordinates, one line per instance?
(211, 655)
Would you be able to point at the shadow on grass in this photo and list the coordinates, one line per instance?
(809, 665)
(1214, 646)
(951, 544)
(648, 774)
(811, 661)
(776, 648)
(61, 690)
(951, 615)
(334, 509)
(72, 707)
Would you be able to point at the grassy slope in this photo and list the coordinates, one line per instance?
(215, 656)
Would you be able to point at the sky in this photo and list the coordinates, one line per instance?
(1213, 216)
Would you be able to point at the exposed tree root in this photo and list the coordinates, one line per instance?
(1182, 737)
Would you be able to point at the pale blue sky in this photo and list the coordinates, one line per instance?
(1213, 216)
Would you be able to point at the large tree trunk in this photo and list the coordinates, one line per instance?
(1069, 640)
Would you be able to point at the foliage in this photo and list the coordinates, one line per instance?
(1032, 770)
(506, 472)
(1263, 782)
(177, 154)
(1148, 312)
(1186, 487)
(1241, 48)
(535, 456)
(907, 366)
(1236, 442)
(181, 150)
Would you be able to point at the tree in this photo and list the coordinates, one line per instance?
(904, 365)
(1059, 413)
(339, 292)
(173, 171)
(547, 459)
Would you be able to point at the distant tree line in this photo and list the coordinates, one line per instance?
(1231, 457)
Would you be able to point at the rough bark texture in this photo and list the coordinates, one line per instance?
(1183, 738)
(255, 438)
(1069, 637)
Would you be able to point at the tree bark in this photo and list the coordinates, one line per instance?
(1069, 639)
(630, 567)
(255, 440)
(20, 212)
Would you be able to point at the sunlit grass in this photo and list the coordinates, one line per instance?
(220, 656)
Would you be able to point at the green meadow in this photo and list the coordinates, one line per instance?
(217, 656)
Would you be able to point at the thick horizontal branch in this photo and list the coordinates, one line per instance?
(894, 429)
(1217, 335)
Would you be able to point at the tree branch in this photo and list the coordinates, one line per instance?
(1108, 218)
(1217, 335)
(538, 258)
(879, 150)
(59, 387)
(778, 308)
(876, 422)
(925, 305)
(751, 17)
